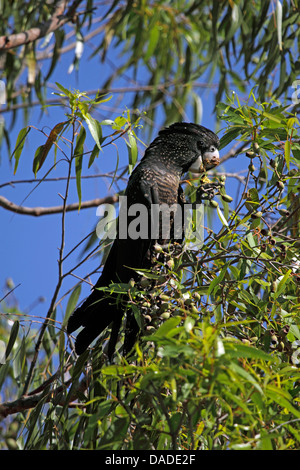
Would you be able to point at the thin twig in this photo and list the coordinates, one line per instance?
(54, 180)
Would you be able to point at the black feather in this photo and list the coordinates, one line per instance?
(156, 180)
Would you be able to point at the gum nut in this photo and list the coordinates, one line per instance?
(246, 341)
(227, 198)
(164, 297)
(213, 204)
(280, 185)
(274, 339)
(157, 248)
(170, 264)
(194, 309)
(256, 215)
(284, 212)
(165, 315)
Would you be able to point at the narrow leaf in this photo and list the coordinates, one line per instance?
(78, 153)
(217, 280)
(153, 41)
(235, 349)
(221, 217)
(36, 159)
(72, 302)
(94, 128)
(132, 151)
(283, 399)
(63, 89)
(43, 150)
(167, 326)
(287, 152)
(19, 146)
(281, 284)
(94, 154)
(12, 338)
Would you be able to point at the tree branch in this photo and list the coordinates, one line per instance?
(32, 34)
(26, 402)
(38, 211)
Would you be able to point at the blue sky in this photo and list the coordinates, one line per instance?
(29, 245)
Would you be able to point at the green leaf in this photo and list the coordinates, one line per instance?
(153, 41)
(283, 398)
(115, 433)
(287, 152)
(235, 349)
(19, 146)
(221, 216)
(37, 158)
(229, 136)
(166, 328)
(189, 323)
(59, 37)
(72, 302)
(281, 284)
(94, 128)
(132, 151)
(217, 280)
(241, 446)
(138, 316)
(265, 164)
(63, 89)
(78, 154)
(12, 338)
(246, 375)
(252, 198)
(94, 154)
(42, 151)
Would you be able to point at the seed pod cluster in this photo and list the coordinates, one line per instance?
(279, 341)
(156, 309)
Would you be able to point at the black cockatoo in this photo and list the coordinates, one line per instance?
(155, 180)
